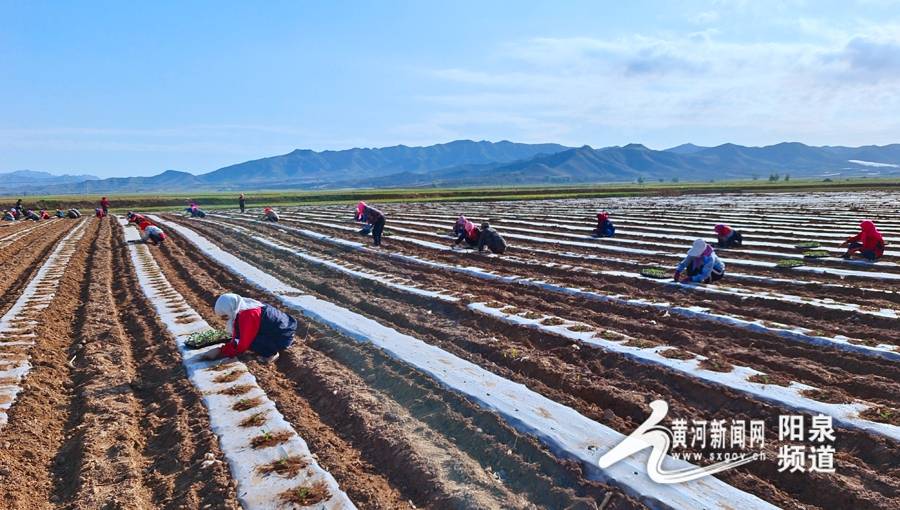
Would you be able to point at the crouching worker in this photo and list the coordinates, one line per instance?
(371, 216)
(73, 213)
(701, 265)
(252, 325)
(269, 214)
(605, 227)
(195, 211)
(492, 239)
(31, 215)
(9, 215)
(868, 242)
(728, 237)
(135, 218)
(152, 234)
(465, 230)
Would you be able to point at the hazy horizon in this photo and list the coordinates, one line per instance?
(114, 89)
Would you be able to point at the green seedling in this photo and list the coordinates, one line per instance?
(256, 420)
(788, 263)
(205, 338)
(655, 272)
(306, 496)
(815, 254)
(246, 403)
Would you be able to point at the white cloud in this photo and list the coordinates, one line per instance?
(834, 90)
(706, 17)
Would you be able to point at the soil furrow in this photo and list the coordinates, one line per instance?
(855, 372)
(36, 428)
(173, 420)
(21, 261)
(388, 307)
(443, 421)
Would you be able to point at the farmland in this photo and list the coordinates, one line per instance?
(425, 375)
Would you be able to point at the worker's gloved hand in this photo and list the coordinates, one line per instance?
(677, 277)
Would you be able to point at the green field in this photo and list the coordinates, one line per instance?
(214, 200)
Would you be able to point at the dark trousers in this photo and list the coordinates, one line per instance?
(605, 229)
(735, 240)
(377, 230)
(276, 332)
(242, 206)
(857, 248)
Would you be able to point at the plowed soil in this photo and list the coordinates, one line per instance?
(107, 417)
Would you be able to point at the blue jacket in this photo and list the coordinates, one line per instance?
(709, 261)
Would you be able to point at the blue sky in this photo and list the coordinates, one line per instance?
(133, 88)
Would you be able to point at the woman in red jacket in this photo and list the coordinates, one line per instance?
(868, 242)
(465, 230)
(727, 236)
(252, 325)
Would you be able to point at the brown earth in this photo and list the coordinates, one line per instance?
(409, 318)
(108, 418)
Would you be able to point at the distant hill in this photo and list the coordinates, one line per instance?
(634, 161)
(686, 148)
(169, 180)
(311, 169)
(308, 168)
(21, 179)
(469, 163)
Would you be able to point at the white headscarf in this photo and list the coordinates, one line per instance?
(230, 305)
(697, 249)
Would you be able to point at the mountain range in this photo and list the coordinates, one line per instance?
(470, 163)
(27, 179)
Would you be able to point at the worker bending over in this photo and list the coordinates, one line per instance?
(701, 265)
(868, 243)
(371, 216)
(465, 230)
(605, 227)
(150, 233)
(253, 326)
(492, 239)
(728, 237)
(269, 214)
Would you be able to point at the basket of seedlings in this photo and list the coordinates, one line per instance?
(202, 339)
(815, 254)
(788, 263)
(808, 245)
(655, 272)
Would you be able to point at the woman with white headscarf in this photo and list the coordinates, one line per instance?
(252, 325)
(701, 265)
